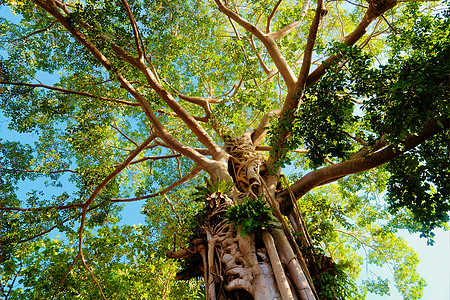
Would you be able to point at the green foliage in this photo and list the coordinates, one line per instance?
(210, 187)
(399, 97)
(334, 284)
(419, 183)
(344, 219)
(251, 215)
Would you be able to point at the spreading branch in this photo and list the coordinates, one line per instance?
(203, 102)
(52, 8)
(360, 164)
(270, 17)
(67, 91)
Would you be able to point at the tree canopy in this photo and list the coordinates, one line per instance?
(320, 123)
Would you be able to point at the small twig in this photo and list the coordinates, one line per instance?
(172, 207)
(42, 208)
(134, 27)
(123, 134)
(155, 158)
(389, 24)
(356, 138)
(35, 32)
(35, 171)
(65, 275)
(178, 164)
(120, 101)
(356, 238)
(328, 161)
(182, 180)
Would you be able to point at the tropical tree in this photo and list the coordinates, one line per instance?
(211, 112)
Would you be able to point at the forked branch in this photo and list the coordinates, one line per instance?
(266, 39)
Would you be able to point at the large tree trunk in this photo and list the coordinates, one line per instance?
(259, 265)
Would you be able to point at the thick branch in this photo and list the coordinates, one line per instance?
(51, 7)
(261, 130)
(285, 30)
(292, 100)
(356, 165)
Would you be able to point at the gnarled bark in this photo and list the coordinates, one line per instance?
(249, 265)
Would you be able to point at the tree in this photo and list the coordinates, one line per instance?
(152, 97)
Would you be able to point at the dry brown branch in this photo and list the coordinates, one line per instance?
(119, 101)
